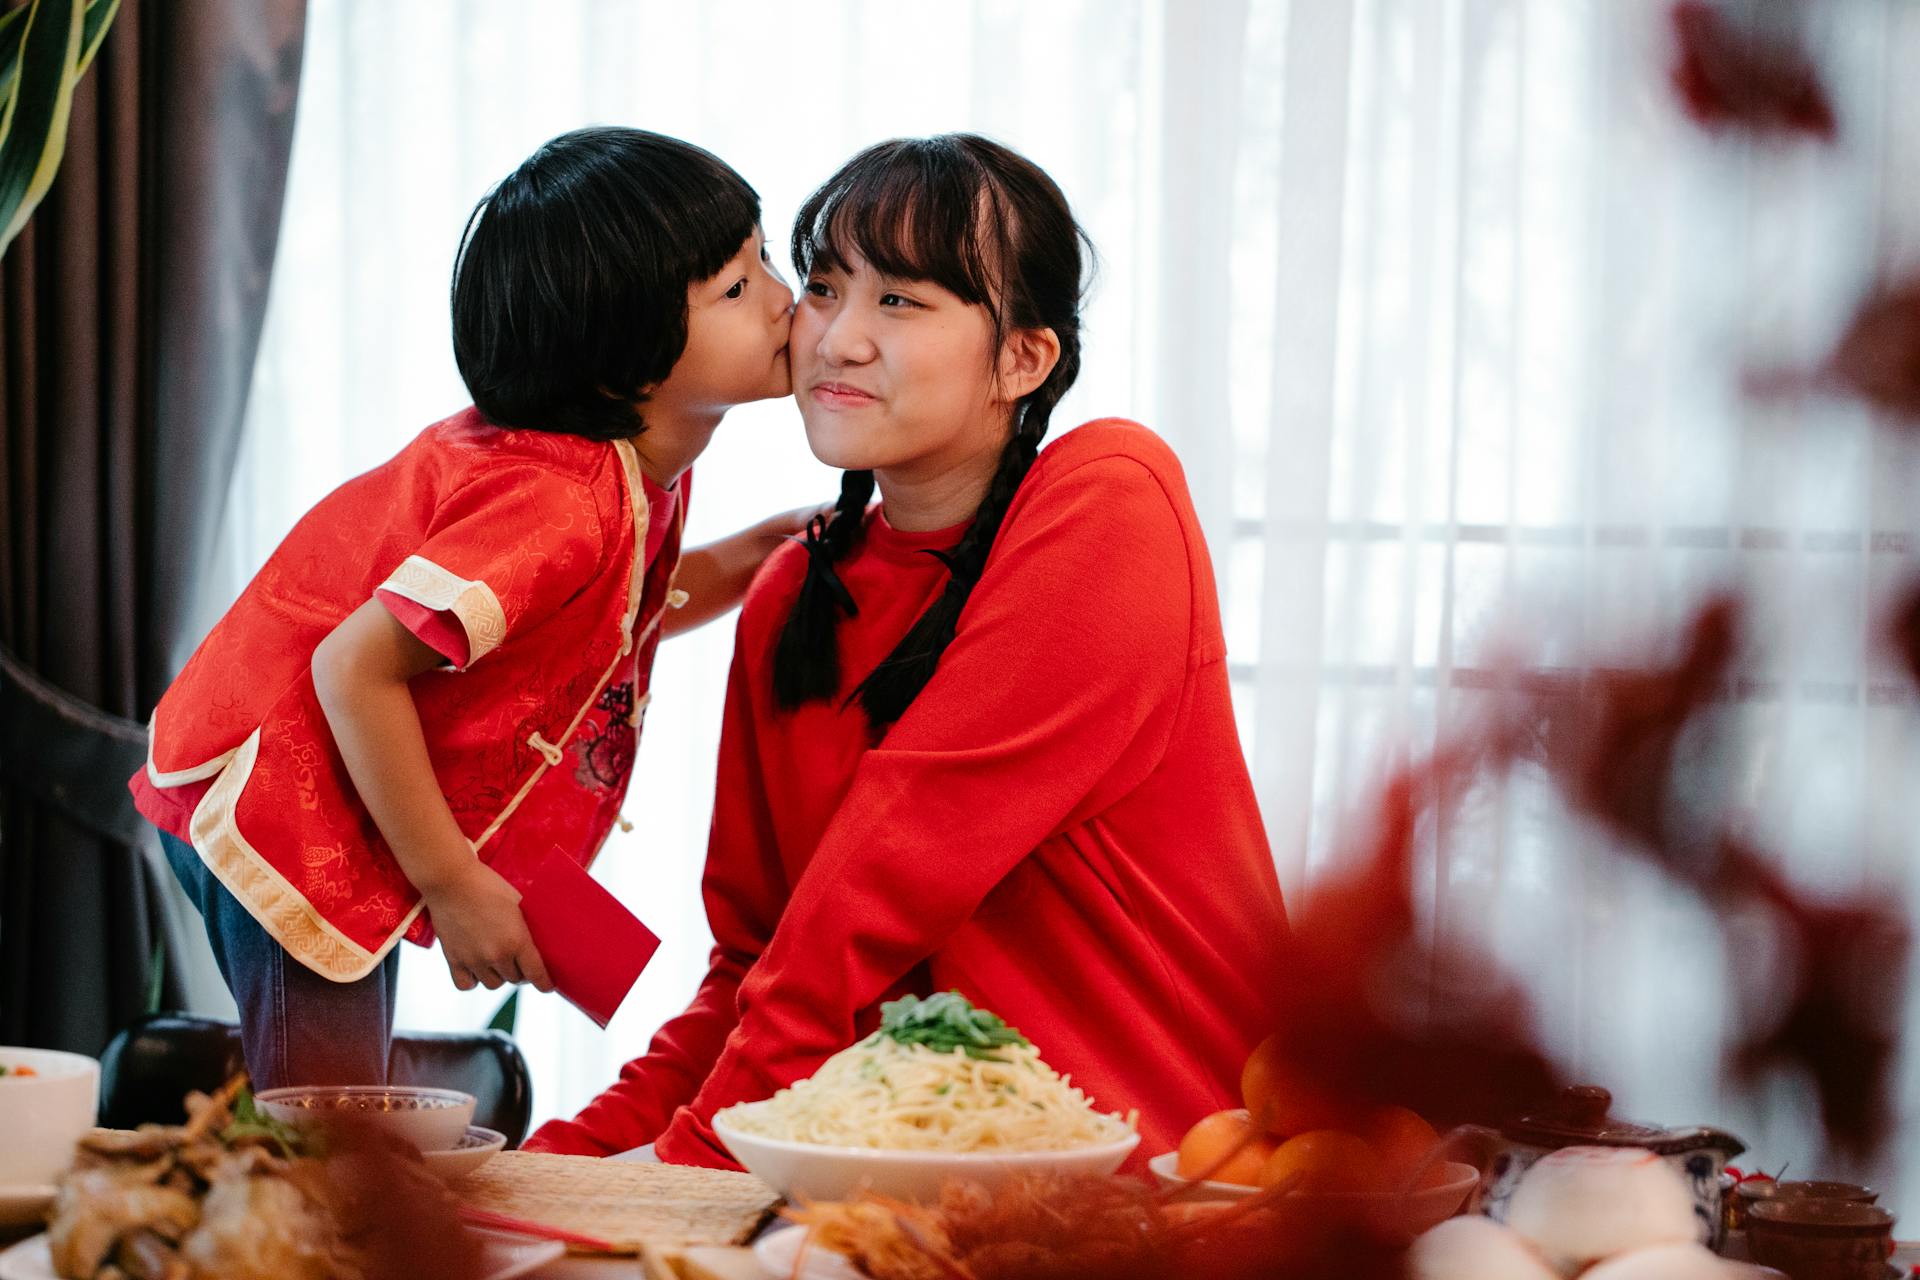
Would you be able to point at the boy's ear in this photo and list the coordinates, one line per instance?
(1026, 358)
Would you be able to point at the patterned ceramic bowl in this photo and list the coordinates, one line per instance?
(429, 1119)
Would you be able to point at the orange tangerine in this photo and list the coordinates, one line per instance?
(1281, 1099)
(1324, 1160)
(1402, 1140)
(1228, 1140)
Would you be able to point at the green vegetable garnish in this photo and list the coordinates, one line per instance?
(945, 1022)
(251, 1122)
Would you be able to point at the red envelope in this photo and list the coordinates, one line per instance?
(593, 947)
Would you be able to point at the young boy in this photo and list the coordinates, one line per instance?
(437, 680)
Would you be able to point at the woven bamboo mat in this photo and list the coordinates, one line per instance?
(628, 1205)
(702, 1262)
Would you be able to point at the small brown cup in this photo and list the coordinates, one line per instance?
(1821, 1239)
(1826, 1191)
(1745, 1195)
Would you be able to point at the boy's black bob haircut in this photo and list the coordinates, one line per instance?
(570, 288)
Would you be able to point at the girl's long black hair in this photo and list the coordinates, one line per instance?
(989, 226)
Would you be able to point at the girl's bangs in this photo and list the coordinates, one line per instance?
(912, 210)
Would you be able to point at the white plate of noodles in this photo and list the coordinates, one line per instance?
(943, 1091)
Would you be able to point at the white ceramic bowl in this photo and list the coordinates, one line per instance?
(833, 1173)
(44, 1114)
(1394, 1213)
(429, 1119)
(475, 1148)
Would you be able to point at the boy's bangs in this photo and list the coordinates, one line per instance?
(715, 215)
(570, 285)
(913, 210)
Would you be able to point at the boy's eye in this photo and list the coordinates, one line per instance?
(739, 287)
(764, 255)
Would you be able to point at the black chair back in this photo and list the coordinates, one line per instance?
(150, 1067)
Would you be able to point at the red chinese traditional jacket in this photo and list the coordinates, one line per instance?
(539, 565)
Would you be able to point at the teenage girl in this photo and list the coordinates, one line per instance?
(977, 736)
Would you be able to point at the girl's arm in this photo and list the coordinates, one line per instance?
(715, 576)
(361, 673)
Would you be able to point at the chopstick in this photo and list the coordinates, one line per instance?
(528, 1227)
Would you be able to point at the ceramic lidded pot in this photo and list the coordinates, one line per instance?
(1581, 1117)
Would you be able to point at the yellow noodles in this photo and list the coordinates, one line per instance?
(886, 1095)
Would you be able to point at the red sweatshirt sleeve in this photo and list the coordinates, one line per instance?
(744, 889)
(1056, 697)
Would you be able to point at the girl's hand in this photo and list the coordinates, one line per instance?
(482, 933)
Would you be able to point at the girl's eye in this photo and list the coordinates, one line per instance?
(818, 288)
(896, 300)
(739, 287)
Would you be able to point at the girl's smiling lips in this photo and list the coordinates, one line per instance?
(841, 395)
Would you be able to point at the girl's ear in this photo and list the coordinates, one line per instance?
(1026, 358)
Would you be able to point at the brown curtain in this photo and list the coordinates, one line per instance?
(130, 312)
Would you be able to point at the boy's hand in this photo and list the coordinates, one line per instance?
(789, 524)
(361, 672)
(715, 576)
(482, 933)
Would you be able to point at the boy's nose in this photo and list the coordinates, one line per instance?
(784, 307)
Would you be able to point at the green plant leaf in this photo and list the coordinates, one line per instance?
(507, 1015)
(100, 16)
(13, 26)
(13, 36)
(93, 33)
(33, 129)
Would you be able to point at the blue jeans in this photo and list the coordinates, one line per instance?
(296, 1027)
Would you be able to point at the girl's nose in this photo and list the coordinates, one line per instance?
(844, 341)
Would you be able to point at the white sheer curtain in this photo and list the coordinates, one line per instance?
(1511, 296)
(1439, 300)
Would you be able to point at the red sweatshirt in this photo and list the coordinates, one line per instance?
(1061, 827)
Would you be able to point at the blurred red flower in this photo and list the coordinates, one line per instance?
(1728, 75)
(1878, 358)
(1906, 631)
